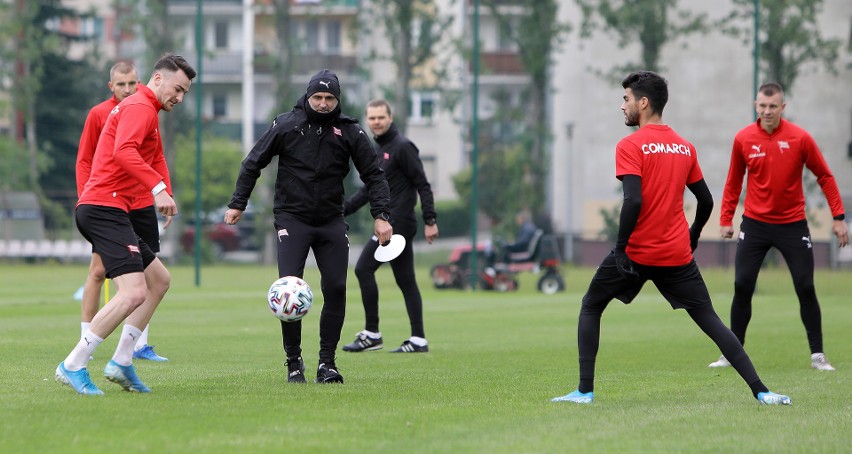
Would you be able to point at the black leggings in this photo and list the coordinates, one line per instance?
(683, 287)
(331, 250)
(403, 273)
(794, 242)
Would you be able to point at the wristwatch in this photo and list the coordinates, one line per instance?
(383, 216)
(430, 221)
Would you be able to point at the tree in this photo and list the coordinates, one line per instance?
(501, 176)
(648, 22)
(790, 37)
(285, 57)
(415, 28)
(218, 174)
(29, 39)
(517, 136)
(13, 158)
(68, 90)
(50, 94)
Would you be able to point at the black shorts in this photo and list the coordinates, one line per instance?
(682, 286)
(113, 238)
(144, 221)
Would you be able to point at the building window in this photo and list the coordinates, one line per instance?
(220, 105)
(332, 37)
(312, 36)
(423, 107)
(92, 27)
(505, 42)
(220, 35)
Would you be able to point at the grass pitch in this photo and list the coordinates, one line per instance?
(495, 362)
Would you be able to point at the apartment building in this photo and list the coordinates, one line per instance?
(710, 78)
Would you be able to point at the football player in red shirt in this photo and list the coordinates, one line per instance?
(773, 152)
(655, 242)
(128, 159)
(123, 79)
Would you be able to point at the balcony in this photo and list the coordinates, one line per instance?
(309, 64)
(225, 65)
(185, 6)
(500, 63)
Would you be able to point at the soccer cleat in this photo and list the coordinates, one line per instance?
(819, 362)
(295, 370)
(125, 376)
(363, 342)
(147, 352)
(408, 347)
(722, 362)
(770, 398)
(78, 379)
(577, 397)
(328, 374)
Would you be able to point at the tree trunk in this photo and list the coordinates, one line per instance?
(283, 57)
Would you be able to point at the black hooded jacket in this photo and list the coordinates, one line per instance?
(400, 160)
(313, 160)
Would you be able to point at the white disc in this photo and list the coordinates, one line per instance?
(392, 250)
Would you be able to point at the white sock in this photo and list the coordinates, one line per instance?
(79, 356)
(143, 339)
(372, 335)
(84, 326)
(418, 341)
(124, 351)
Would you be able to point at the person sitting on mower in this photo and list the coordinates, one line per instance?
(526, 232)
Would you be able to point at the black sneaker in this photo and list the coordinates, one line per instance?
(328, 374)
(363, 342)
(408, 347)
(295, 370)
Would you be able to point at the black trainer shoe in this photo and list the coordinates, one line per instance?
(408, 347)
(363, 342)
(295, 370)
(327, 373)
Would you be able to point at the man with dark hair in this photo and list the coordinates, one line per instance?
(128, 159)
(774, 152)
(314, 143)
(400, 160)
(123, 80)
(655, 165)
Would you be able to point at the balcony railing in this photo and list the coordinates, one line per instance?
(231, 63)
(503, 63)
(349, 3)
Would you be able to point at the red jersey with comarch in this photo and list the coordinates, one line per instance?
(128, 161)
(774, 163)
(666, 162)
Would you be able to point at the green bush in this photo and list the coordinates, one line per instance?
(453, 218)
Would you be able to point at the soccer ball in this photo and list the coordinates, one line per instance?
(290, 298)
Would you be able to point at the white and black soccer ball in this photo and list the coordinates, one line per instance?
(290, 298)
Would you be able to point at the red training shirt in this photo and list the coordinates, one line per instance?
(774, 163)
(89, 140)
(666, 163)
(128, 161)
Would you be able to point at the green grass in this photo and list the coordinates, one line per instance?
(495, 361)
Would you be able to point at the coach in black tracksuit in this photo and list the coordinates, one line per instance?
(314, 143)
(400, 159)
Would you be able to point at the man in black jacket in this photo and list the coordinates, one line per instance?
(314, 143)
(400, 160)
